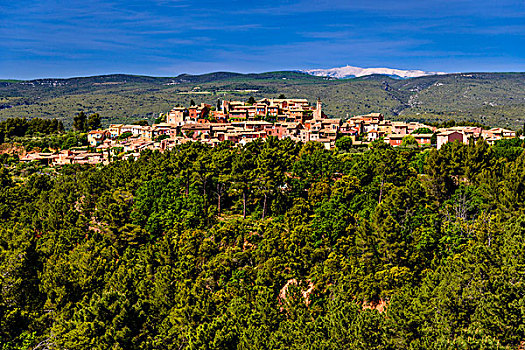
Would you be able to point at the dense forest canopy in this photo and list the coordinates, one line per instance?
(272, 245)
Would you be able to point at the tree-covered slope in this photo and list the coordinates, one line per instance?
(486, 97)
(492, 98)
(269, 246)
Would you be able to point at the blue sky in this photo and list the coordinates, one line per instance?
(169, 37)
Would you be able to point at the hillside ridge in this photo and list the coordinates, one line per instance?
(496, 99)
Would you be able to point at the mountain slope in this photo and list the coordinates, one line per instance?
(496, 99)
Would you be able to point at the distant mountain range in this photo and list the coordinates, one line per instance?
(495, 99)
(355, 72)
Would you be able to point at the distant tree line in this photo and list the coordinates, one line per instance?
(19, 127)
(22, 126)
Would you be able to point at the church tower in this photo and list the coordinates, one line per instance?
(317, 112)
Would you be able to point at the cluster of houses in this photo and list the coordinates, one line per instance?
(443, 135)
(67, 157)
(241, 122)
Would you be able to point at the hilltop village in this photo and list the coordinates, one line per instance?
(242, 122)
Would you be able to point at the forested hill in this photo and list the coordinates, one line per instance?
(496, 99)
(274, 245)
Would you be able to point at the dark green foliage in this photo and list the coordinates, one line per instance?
(344, 143)
(271, 245)
(83, 123)
(409, 141)
(21, 127)
(422, 131)
(161, 137)
(141, 122)
(72, 139)
(125, 135)
(79, 121)
(160, 119)
(509, 148)
(93, 122)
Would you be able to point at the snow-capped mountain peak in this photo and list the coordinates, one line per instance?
(350, 71)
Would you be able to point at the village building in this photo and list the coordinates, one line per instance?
(115, 130)
(423, 139)
(241, 122)
(450, 136)
(394, 139)
(177, 116)
(96, 137)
